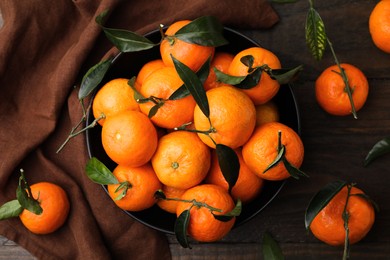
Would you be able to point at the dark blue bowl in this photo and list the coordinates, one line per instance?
(126, 65)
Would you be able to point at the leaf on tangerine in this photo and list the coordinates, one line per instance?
(321, 199)
(285, 76)
(99, 173)
(235, 212)
(292, 170)
(278, 158)
(228, 163)
(205, 31)
(180, 228)
(10, 209)
(242, 82)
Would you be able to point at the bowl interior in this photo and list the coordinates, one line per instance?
(127, 65)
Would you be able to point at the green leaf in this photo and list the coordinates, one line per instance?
(202, 74)
(93, 77)
(153, 111)
(242, 82)
(10, 209)
(228, 163)
(137, 96)
(235, 212)
(278, 158)
(25, 198)
(101, 18)
(321, 199)
(292, 170)
(193, 84)
(127, 41)
(160, 195)
(248, 61)
(285, 76)
(271, 249)
(205, 31)
(99, 173)
(122, 188)
(379, 149)
(315, 34)
(180, 228)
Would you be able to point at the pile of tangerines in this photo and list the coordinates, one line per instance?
(178, 148)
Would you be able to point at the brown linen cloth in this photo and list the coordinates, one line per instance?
(45, 48)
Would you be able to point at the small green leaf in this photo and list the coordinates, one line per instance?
(93, 77)
(160, 195)
(292, 170)
(321, 199)
(231, 214)
(127, 41)
(153, 111)
(248, 61)
(228, 163)
(193, 84)
(228, 79)
(122, 188)
(202, 74)
(101, 18)
(278, 158)
(10, 209)
(381, 148)
(285, 76)
(137, 96)
(25, 198)
(242, 82)
(205, 31)
(99, 173)
(271, 249)
(315, 34)
(181, 226)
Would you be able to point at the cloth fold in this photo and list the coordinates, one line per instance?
(45, 48)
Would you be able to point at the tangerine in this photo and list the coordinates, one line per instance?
(221, 61)
(202, 224)
(331, 93)
(129, 138)
(142, 184)
(147, 69)
(267, 87)
(170, 192)
(266, 113)
(191, 54)
(115, 96)
(379, 25)
(181, 160)
(328, 225)
(55, 205)
(232, 117)
(262, 149)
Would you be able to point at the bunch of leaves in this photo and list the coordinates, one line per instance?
(321, 200)
(317, 40)
(24, 200)
(206, 30)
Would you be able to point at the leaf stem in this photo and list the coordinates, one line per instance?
(345, 79)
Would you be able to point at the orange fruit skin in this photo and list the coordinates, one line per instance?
(266, 113)
(221, 61)
(202, 225)
(147, 69)
(192, 55)
(144, 184)
(55, 204)
(261, 150)
(379, 25)
(170, 192)
(328, 225)
(129, 138)
(173, 113)
(232, 115)
(331, 94)
(248, 185)
(267, 88)
(114, 97)
(181, 160)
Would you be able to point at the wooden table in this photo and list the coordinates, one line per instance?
(335, 146)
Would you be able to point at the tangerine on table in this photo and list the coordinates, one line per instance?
(267, 87)
(172, 113)
(202, 224)
(221, 61)
(248, 184)
(170, 192)
(55, 205)
(232, 116)
(266, 113)
(115, 96)
(129, 138)
(328, 225)
(143, 184)
(379, 25)
(147, 69)
(331, 92)
(262, 149)
(191, 54)
(181, 160)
